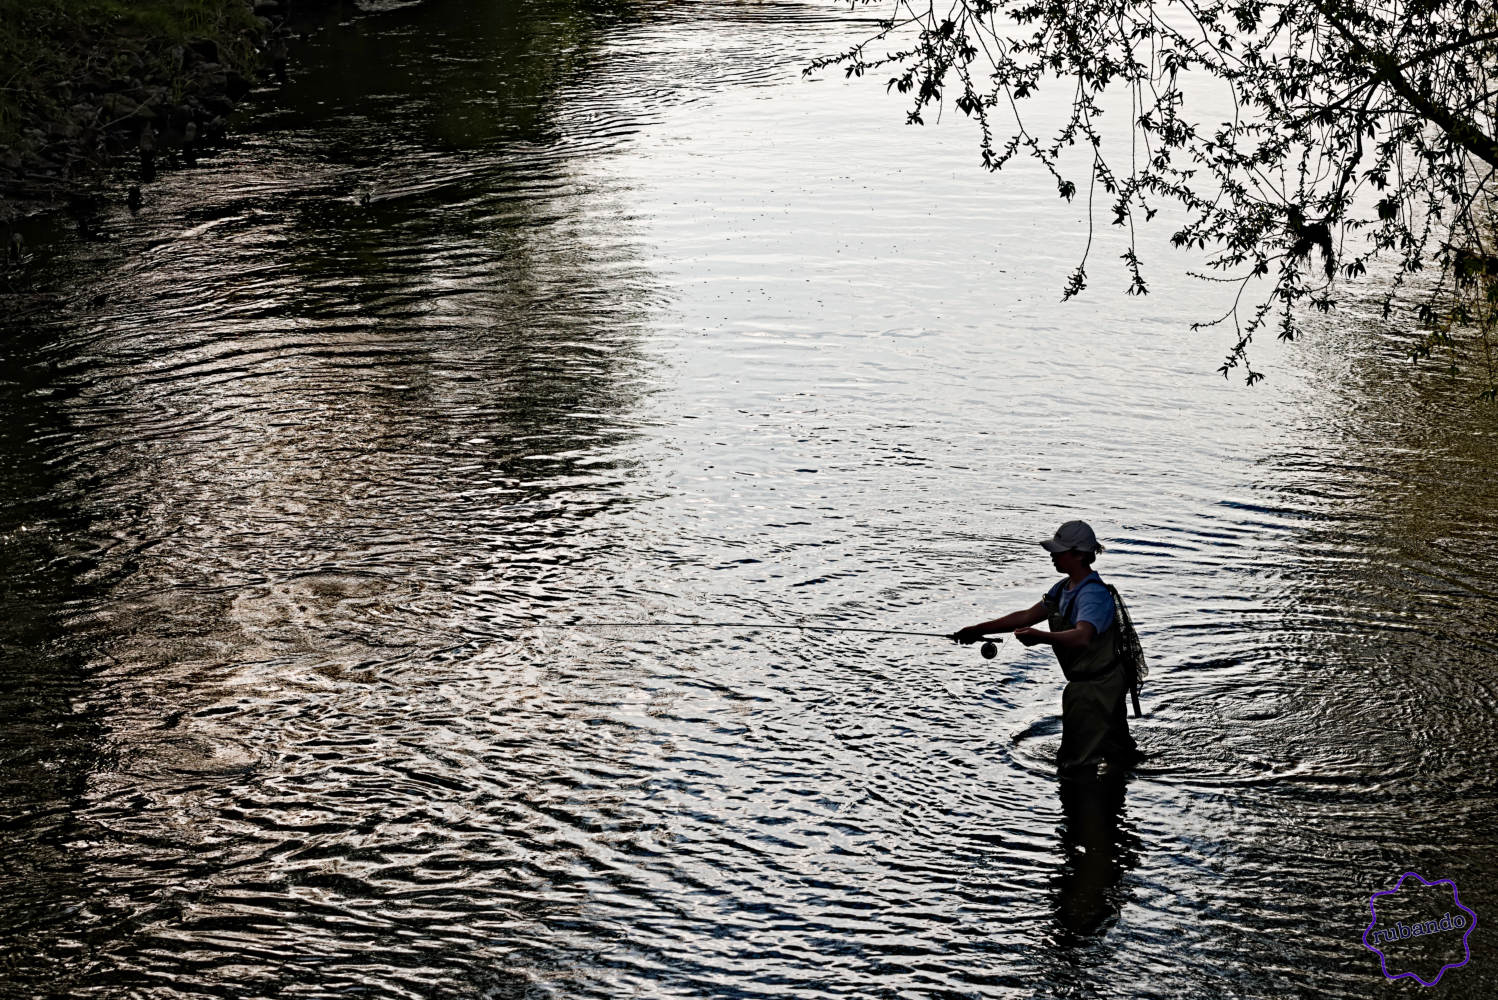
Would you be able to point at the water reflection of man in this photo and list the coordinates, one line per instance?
(1083, 632)
(1097, 849)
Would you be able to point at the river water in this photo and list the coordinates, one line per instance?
(515, 313)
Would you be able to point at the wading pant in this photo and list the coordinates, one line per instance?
(1094, 723)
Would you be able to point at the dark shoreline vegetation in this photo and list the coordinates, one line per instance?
(93, 85)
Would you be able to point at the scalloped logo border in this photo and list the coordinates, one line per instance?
(1383, 961)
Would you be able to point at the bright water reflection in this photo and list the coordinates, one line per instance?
(506, 313)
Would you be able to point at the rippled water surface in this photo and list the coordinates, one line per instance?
(505, 314)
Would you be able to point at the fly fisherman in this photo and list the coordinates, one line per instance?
(1084, 630)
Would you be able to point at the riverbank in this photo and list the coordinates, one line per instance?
(97, 84)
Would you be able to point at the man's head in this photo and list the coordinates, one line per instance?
(1074, 546)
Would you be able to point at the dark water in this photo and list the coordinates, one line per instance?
(554, 311)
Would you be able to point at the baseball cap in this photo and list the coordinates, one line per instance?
(1073, 536)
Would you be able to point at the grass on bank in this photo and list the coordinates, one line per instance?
(49, 49)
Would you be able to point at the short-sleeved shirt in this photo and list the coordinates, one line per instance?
(1093, 603)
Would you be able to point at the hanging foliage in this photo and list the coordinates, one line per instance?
(1361, 131)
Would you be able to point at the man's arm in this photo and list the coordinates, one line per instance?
(1007, 623)
(1094, 611)
(1072, 638)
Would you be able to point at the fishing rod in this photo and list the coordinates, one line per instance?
(988, 649)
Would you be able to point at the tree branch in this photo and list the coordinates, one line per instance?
(1463, 131)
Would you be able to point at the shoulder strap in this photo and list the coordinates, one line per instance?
(1106, 586)
(1078, 589)
(1091, 580)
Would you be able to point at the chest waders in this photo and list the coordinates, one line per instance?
(1094, 721)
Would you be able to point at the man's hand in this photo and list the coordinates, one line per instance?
(969, 635)
(1030, 636)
